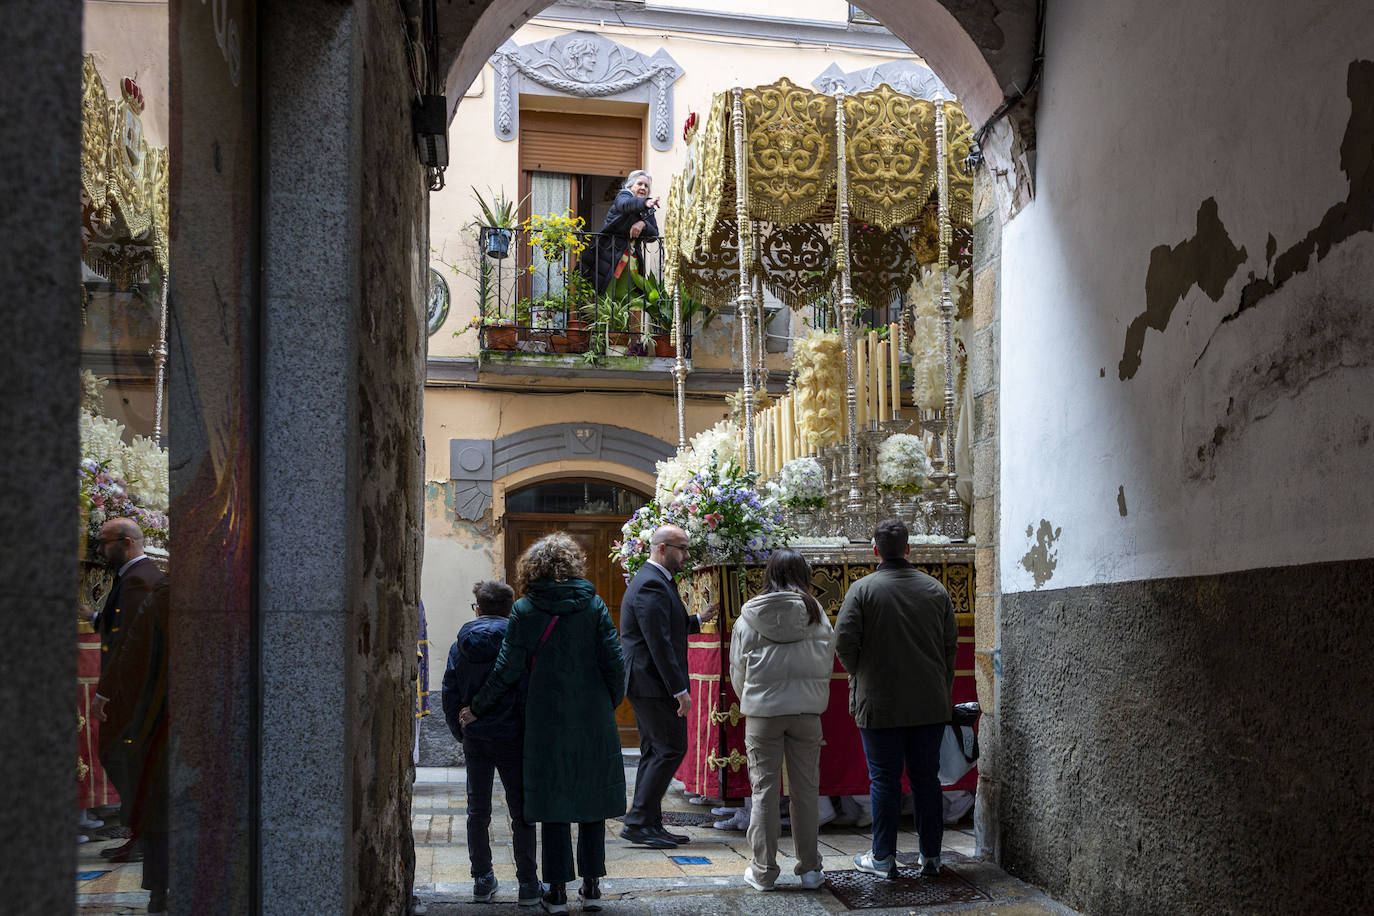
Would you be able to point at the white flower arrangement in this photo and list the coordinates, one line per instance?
(118, 479)
(720, 443)
(928, 540)
(927, 338)
(821, 542)
(801, 483)
(903, 464)
(818, 359)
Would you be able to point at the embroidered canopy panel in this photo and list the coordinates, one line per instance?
(790, 150)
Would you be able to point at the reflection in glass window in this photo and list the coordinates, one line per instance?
(575, 497)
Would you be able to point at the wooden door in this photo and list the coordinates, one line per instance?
(595, 534)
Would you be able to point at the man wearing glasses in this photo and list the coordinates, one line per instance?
(654, 625)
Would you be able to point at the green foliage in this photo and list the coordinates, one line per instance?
(501, 212)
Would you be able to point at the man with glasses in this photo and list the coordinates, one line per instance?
(654, 625)
(120, 547)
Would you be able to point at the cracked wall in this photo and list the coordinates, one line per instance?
(1180, 687)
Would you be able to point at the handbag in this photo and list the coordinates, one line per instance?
(959, 744)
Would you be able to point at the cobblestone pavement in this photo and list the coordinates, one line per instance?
(641, 881)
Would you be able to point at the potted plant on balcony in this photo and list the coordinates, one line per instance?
(499, 222)
(496, 332)
(556, 235)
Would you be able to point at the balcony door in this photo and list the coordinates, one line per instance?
(571, 163)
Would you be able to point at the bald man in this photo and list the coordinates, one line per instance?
(120, 547)
(654, 625)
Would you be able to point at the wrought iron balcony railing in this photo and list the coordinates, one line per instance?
(581, 292)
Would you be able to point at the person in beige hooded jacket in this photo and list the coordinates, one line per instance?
(780, 664)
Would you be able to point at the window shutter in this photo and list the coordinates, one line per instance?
(579, 144)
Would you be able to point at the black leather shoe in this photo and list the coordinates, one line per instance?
(680, 839)
(645, 836)
(590, 895)
(123, 849)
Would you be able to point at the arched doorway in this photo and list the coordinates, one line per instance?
(592, 511)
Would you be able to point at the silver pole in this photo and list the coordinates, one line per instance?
(679, 368)
(159, 354)
(952, 517)
(856, 519)
(744, 304)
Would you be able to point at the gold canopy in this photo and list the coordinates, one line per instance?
(790, 193)
(124, 202)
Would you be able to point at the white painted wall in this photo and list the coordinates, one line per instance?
(1147, 110)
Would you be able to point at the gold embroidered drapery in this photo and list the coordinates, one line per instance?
(792, 164)
(124, 185)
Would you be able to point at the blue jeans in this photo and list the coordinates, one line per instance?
(919, 747)
(484, 759)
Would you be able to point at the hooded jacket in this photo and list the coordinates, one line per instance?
(470, 660)
(779, 664)
(573, 768)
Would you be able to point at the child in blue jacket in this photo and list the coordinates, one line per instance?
(492, 744)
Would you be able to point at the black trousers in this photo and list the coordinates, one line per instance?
(662, 745)
(559, 867)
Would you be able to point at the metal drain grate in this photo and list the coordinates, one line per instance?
(859, 890)
(685, 819)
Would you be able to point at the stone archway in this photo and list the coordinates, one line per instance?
(986, 52)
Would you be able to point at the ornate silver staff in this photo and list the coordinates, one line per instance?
(744, 304)
(952, 513)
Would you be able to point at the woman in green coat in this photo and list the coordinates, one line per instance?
(561, 632)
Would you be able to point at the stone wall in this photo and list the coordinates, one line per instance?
(39, 259)
(1192, 745)
(390, 338)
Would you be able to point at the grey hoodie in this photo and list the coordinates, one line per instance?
(780, 666)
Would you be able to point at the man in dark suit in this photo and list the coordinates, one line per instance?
(654, 625)
(120, 547)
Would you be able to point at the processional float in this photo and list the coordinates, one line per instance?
(776, 177)
(813, 164)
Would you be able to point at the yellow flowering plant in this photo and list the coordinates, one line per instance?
(556, 234)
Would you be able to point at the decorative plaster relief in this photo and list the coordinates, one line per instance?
(903, 75)
(476, 463)
(584, 65)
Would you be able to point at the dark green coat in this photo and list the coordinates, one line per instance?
(573, 767)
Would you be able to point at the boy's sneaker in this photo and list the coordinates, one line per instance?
(589, 895)
(883, 868)
(813, 879)
(753, 881)
(484, 888)
(555, 899)
(930, 867)
(530, 892)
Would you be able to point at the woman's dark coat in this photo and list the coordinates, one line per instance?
(572, 761)
(603, 251)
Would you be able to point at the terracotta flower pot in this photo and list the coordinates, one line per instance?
(663, 345)
(501, 337)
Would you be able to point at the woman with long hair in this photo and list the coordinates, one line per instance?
(561, 633)
(780, 662)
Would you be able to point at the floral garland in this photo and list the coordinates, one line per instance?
(903, 465)
(800, 483)
(726, 519)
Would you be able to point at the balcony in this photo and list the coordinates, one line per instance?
(540, 295)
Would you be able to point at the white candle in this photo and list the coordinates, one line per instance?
(861, 381)
(895, 336)
(878, 364)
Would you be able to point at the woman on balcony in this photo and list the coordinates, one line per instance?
(630, 221)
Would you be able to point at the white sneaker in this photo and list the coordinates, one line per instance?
(753, 881)
(813, 879)
(825, 811)
(737, 821)
(883, 868)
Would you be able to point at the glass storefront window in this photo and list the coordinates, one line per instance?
(575, 497)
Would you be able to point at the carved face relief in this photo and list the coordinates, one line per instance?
(580, 59)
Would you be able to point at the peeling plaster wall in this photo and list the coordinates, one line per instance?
(1187, 362)
(1192, 159)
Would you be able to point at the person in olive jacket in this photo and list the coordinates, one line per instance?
(896, 636)
(561, 633)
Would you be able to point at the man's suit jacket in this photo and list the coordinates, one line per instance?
(126, 595)
(654, 624)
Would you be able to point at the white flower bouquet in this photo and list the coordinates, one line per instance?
(801, 484)
(903, 465)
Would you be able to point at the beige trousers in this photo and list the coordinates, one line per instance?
(769, 741)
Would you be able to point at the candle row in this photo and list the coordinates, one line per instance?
(878, 377)
(777, 437)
